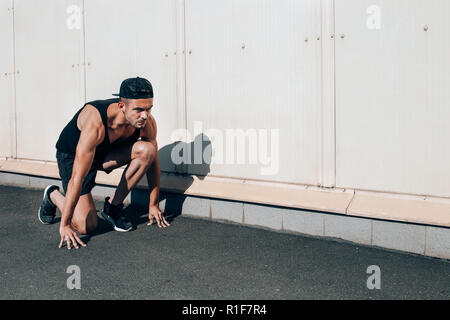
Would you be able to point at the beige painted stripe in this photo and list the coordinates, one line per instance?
(404, 208)
(259, 193)
(37, 168)
(423, 211)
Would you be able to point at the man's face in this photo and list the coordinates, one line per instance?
(137, 111)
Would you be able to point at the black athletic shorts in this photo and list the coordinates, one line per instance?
(65, 165)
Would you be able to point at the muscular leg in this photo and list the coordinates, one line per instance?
(84, 218)
(139, 157)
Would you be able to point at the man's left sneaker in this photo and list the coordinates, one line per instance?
(47, 211)
(113, 214)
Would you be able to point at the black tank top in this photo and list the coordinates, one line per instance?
(70, 135)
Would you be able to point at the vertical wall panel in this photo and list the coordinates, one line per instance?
(250, 68)
(392, 94)
(435, 128)
(49, 81)
(134, 38)
(6, 78)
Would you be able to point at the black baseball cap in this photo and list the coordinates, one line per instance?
(135, 88)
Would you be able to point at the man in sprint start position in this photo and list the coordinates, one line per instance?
(105, 135)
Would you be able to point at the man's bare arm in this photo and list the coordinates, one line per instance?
(92, 134)
(83, 160)
(153, 177)
(153, 174)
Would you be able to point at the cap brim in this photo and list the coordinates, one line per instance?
(116, 94)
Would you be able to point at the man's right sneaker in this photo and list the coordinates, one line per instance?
(47, 210)
(113, 214)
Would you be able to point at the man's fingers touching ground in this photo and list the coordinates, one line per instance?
(164, 223)
(71, 239)
(160, 221)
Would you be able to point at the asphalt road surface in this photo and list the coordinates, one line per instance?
(198, 259)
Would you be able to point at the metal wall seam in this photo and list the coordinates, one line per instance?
(83, 52)
(318, 23)
(181, 71)
(328, 128)
(13, 105)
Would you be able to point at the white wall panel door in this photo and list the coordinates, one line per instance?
(392, 95)
(134, 38)
(49, 79)
(6, 79)
(250, 67)
(435, 128)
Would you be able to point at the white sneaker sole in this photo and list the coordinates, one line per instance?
(107, 218)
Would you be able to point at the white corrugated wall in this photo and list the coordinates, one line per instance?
(357, 90)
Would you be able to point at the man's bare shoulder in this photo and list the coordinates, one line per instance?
(89, 117)
(91, 126)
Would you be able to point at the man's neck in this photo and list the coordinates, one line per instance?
(116, 118)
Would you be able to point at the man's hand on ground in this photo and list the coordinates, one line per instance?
(154, 212)
(68, 235)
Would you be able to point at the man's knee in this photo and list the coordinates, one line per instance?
(85, 225)
(145, 151)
